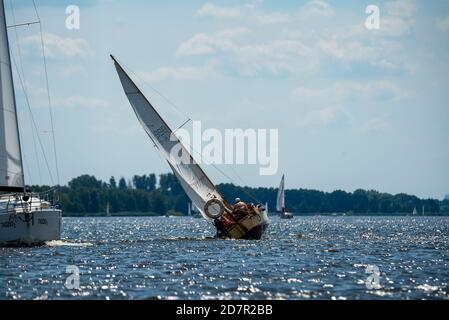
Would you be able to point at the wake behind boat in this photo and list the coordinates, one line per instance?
(238, 221)
(25, 219)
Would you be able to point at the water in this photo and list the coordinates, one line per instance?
(176, 258)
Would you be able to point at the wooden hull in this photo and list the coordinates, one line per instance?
(251, 227)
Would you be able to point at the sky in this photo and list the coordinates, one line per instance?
(355, 108)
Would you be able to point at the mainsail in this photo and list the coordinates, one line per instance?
(280, 203)
(192, 178)
(11, 169)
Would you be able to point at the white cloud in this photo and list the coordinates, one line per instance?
(400, 8)
(398, 18)
(272, 18)
(372, 125)
(180, 73)
(274, 57)
(212, 10)
(81, 102)
(386, 54)
(340, 92)
(346, 51)
(443, 24)
(324, 117)
(56, 46)
(73, 70)
(248, 12)
(317, 8)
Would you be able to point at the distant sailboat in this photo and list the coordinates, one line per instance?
(25, 219)
(199, 188)
(415, 212)
(189, 209)
(266, 208)
(280, 203)
(108, 210)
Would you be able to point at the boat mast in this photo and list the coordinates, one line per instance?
(4, 36)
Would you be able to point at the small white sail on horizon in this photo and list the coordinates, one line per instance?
(280, 202)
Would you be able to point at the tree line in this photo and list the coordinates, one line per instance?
(152, 195)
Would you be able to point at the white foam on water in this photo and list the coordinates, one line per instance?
(63, 243)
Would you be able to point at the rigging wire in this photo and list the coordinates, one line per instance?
(48, 93)
(19, 50)
(174, 106)
(33, 121)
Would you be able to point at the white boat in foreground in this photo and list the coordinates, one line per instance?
(24, 218)
(28, 223)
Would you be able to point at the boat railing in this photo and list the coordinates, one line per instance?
(32, 202)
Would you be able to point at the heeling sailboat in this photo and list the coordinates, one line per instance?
(280, 202)
(205, 196)
(24, 218)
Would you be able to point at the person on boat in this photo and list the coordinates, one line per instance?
(239, 205)
(240, 209)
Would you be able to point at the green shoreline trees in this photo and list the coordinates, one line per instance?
(147, 195)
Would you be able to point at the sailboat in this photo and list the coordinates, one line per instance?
(25, 219)
(248, 223)
(280, 203)
(415, 212)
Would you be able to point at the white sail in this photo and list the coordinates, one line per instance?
(280, 203)
(192, 178)
(11, 169)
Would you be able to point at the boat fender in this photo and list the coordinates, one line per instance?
(211, 209)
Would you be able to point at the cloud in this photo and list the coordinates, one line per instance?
(272, 18)
(180, 73)
(57, 47)
(398, 18)
(248, 12)
(317, 8)
(443, 24)
(275, 57)
(212, 10)
(73, 70)
(372, 125)
(340, 92)
(386, 54)
(81, 102)
(324, 117)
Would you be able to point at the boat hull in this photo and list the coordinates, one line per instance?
(32, 229)
(252, 227)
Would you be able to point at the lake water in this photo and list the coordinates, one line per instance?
(176, 258)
